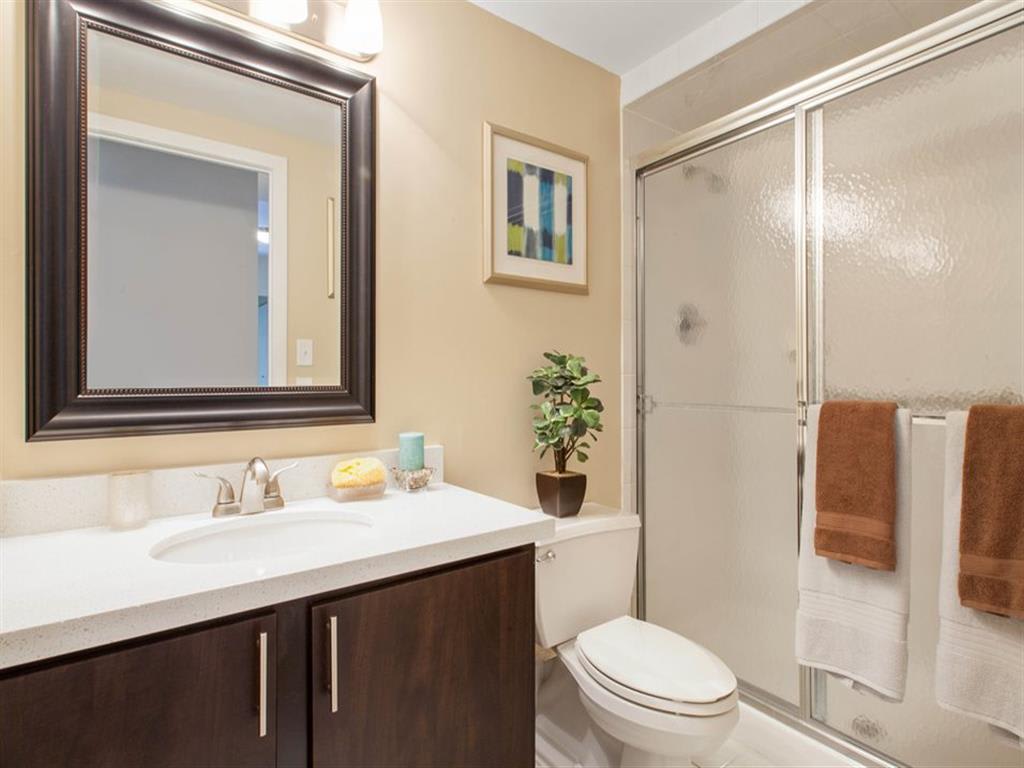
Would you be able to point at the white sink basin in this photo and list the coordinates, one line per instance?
(261, 536)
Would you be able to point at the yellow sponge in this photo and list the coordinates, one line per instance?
(358, 473)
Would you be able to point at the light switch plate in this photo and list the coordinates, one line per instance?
(304, 352)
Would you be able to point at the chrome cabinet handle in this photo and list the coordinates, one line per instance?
(263, 684)
(547, 557)
(334, 663)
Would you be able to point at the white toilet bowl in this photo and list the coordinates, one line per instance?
(665, 698)
(655, 731)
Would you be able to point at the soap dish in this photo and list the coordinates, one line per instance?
(357, 493)
(412, 479)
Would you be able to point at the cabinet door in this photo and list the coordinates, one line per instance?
(198, 699)
(436, 671)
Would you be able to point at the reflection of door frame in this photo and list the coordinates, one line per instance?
(276, 166)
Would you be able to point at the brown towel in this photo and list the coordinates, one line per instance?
(856, 484)
(992, 511)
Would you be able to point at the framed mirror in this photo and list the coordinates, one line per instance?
(200, 229)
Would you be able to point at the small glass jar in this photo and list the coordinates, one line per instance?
(128, 499)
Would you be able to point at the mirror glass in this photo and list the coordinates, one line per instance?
(214, 226)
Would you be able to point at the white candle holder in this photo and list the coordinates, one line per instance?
(128, 499)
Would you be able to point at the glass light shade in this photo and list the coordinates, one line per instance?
(279, 12)
(363, 31)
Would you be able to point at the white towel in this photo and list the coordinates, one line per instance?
(979, 665)
(852, 620)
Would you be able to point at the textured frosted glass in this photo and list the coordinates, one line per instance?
(922, 235)
(921, 184)
(718, 276)
(719, 357)
(917, 731)
(721, 537)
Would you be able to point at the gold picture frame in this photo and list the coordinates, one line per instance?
(529, 181)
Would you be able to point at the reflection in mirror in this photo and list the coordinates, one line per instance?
(214, 230)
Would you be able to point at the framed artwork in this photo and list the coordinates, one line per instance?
(535, 212)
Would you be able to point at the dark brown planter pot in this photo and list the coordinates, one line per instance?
(561, 493)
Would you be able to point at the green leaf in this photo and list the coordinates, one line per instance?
(567, 411)
(581, 456)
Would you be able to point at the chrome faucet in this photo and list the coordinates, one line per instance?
(250, 498)
(266, 494)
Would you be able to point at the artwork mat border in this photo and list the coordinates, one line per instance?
(491, 271)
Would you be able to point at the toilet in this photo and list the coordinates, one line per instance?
(661, 697)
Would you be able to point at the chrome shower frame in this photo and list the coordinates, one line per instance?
(800, 103)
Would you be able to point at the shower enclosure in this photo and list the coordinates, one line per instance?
(862, 237)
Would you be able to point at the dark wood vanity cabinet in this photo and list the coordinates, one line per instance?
(430, 672)
(197, 699)
(434, 669)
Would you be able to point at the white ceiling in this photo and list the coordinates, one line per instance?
(614, 34)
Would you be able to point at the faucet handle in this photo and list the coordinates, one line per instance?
(274, 475)
(272, 498)
(226, 504)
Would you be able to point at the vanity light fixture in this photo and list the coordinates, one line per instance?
(279, 12)
(363, 29)
(354, 29)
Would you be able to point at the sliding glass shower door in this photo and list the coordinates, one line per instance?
(866, 243)
(719, 366)
(916, 242)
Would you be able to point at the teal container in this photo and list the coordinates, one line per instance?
(410, 450)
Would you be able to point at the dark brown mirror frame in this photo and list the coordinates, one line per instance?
(60, 406)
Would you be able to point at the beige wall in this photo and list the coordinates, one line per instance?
(452, 352)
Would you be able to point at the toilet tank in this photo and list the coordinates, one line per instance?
(585, 573)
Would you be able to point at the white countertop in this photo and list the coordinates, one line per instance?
(71, 590)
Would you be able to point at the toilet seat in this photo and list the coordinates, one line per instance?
(651, 729)
(656, 668)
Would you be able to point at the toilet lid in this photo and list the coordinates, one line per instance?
(654, 661)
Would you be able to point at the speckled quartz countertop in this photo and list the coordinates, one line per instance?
(72, 590)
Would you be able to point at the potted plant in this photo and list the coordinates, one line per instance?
(566, 417)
